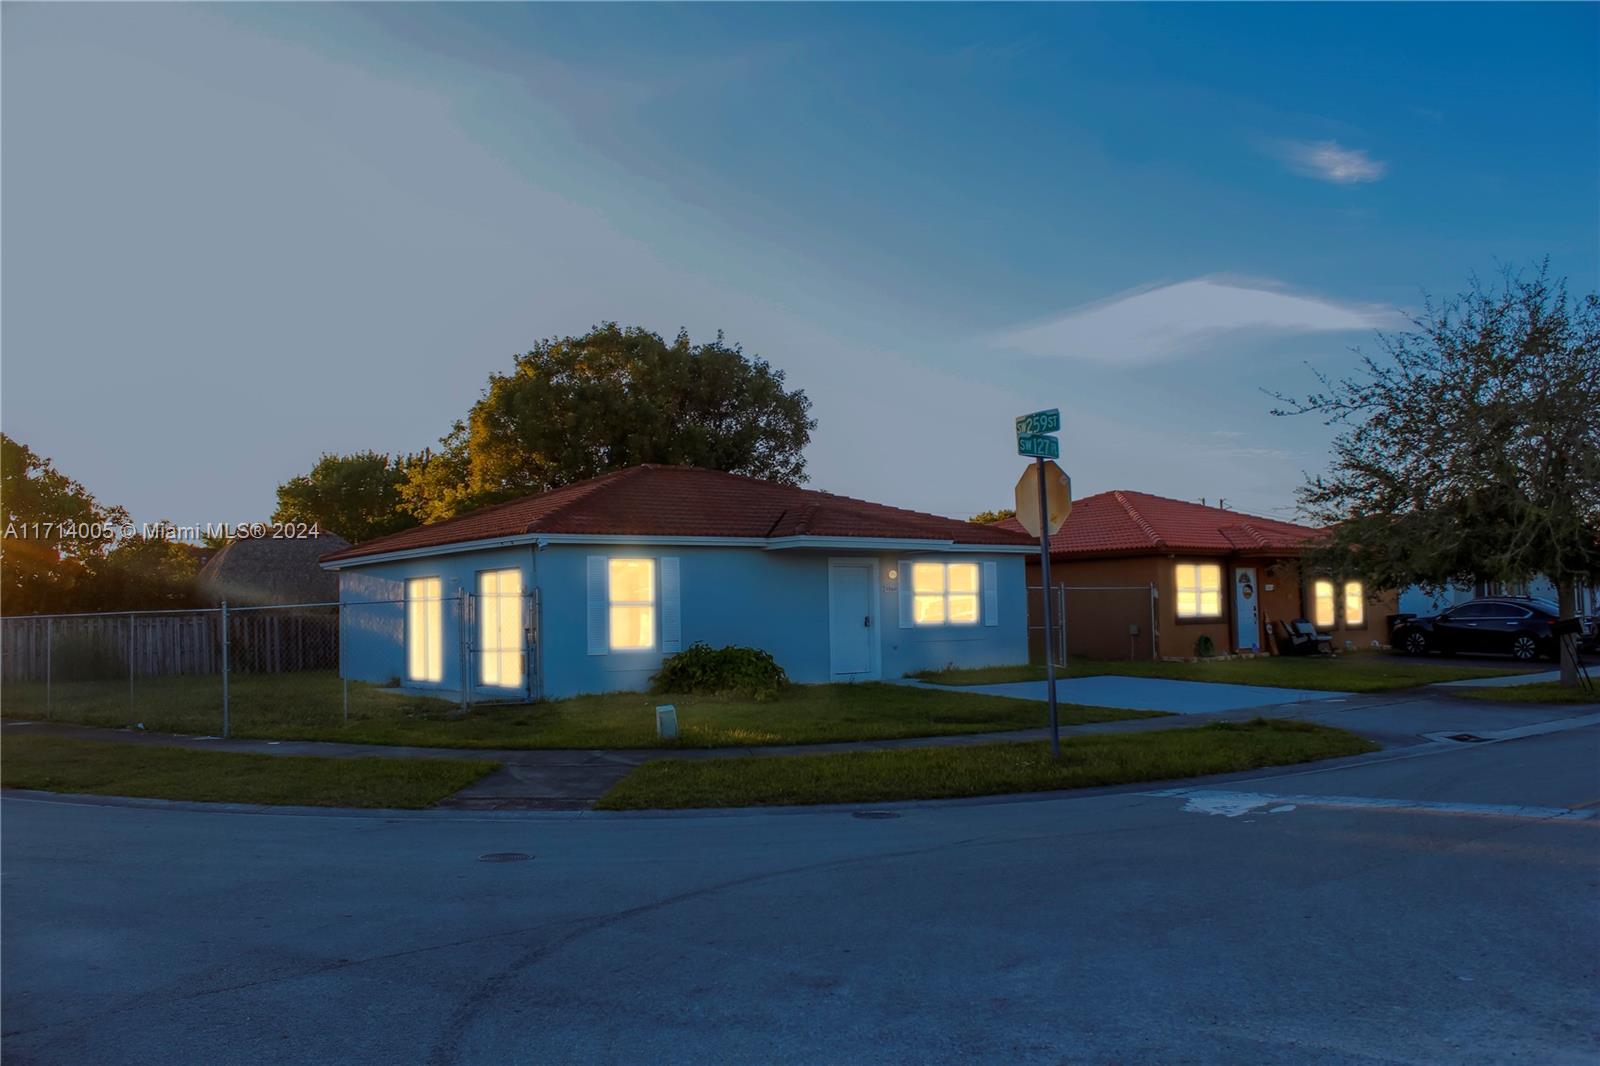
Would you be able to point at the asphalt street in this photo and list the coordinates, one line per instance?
(1430, 906)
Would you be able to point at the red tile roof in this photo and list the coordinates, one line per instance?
(1137, 523)
(686, 501)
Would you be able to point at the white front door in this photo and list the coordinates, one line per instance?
(1246, 610)
(852, 618)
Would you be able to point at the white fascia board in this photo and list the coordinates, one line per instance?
(541, 539)
(772, 544)
(433, 549)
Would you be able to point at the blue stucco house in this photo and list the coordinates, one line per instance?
(588, 587)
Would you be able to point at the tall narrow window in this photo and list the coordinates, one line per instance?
(1199, 589)
(632, 585)
(1355, 604)
(1322, 604)
(944, 594)
(424, 621)
(500, 628)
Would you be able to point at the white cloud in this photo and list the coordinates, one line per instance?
(1168, 322)
(1331, 161)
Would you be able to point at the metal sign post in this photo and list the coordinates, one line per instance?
(1034, 440)
(1044, 600)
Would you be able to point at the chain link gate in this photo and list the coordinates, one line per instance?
(1093, 622)
(500, 644)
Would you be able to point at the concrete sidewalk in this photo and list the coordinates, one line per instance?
(1145, 693)
(1500, 682)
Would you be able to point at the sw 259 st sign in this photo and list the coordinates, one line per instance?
(1039, 422)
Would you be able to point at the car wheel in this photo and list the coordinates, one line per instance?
(1524, 649)
(1416, 644)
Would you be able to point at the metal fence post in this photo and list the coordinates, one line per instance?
(1061, 602)
(1154, 653)
(132, 713)
(224, 617)
(461, 612)
(338, 650)
(49, 650)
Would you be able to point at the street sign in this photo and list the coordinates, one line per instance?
(1038, 446)
(1039, 422)
(1057, 492)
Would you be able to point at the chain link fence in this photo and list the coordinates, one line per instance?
(282, 671)
(1093, 622)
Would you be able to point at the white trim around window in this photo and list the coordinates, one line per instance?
(946, 594)
(1198, 588)
(631, 598)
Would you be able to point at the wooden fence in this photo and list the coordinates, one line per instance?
(100, 647)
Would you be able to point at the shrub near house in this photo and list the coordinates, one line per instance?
(730, 671)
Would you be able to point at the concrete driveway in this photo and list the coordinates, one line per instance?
(1405, 909)
(1149, 693)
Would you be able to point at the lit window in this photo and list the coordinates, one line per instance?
(1322, 604)
(633, 604)
(944, 594)
(1355, 604)
(1199, 587)
(500, 628)
(424, 620)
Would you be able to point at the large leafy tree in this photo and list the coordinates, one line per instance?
(1469, 448)
(356, 496)
(989, 518)
(143, 573)
(55, 532)
(577, 407)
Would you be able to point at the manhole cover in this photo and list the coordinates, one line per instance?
(505, 856)
(1465, 738)
(873, 814)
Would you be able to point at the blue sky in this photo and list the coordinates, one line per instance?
(237, 236)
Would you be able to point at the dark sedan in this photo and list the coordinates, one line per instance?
(1517, 626)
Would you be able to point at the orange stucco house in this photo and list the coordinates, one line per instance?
(1147, 576)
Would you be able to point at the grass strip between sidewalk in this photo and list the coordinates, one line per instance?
(979, 770)
(99, 768)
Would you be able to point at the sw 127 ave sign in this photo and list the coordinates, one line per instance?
(1038, 446)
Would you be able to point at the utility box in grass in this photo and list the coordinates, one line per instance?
(667, 721)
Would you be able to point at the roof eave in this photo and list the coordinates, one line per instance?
(791, 543)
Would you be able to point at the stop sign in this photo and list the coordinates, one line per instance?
(1057, 495)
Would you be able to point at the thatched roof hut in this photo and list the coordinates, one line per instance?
(264, 572)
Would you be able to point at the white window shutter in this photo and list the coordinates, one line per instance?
(991, 594)
(599, 605)
(671, 620)
(905, 594)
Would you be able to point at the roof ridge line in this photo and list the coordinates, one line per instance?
(1212, 507)
(1138, 519)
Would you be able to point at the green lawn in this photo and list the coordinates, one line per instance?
(978, 770)
(1360, 672)
(59, 764)
(307, 707)
(1541, 692)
